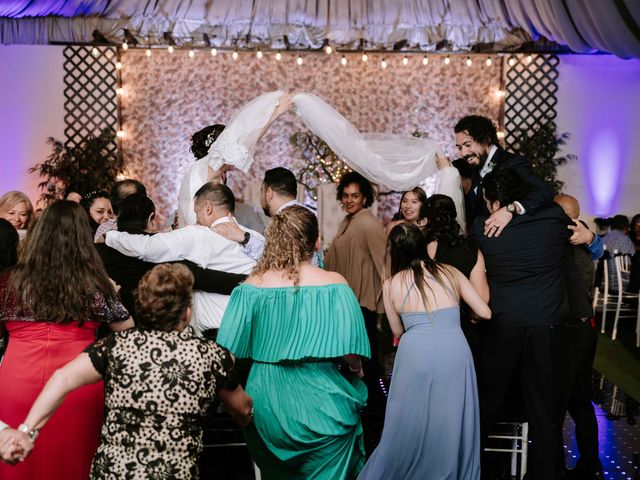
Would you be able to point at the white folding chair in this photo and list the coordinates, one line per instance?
(624, 309)
(519, 436)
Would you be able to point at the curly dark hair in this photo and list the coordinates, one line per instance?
(202, 140)
(422, 197)
(481, 129)
(163, 295)
(59, 272)
(441, 222)
(505, 186)
(8, 244)
(365, 187)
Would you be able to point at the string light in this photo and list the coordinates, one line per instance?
(148, 52)
(125, 46)
(405, 61)
(469, 62)
(192, 53)
(170, 49)
(500, 93)
(234, 55)
(365, 57)
(120, 134)
(447, 60)
(328, 49)
(425, 60)
(512, 61)
(95, 51)
(529, 58)
(343, 60)
(259, 54)
(214, 52)
(299, 60)
(488, 62)
(118, 65)
(500, 134)
(383, 64)
(119, 91)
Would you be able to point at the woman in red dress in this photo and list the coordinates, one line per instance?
(51, 304)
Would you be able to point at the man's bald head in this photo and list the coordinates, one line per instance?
(569, 204)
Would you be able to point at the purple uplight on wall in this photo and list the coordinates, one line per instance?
(604, 170)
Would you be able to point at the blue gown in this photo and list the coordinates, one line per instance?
(432, 427)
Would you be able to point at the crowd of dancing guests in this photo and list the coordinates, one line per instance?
(121, 336)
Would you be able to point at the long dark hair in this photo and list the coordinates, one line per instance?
(408, 250)
(422, 197)
(8, 244)
(441, 222)
(60, 271)
(202, 140)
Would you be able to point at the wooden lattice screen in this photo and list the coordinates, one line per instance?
(531, 88)
(90, 82)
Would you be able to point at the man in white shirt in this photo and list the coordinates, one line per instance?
(214, 205)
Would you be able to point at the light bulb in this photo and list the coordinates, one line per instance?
(383, 63)
(529, 58)
(425, 60)
(343, 60)
(365, 57)
(259, 54)
(488, 62)
(278, 56)
(328, 49)
(170, 49)
(120, 133)
(148, 52)
(214, 52)
(447, 60)
(234, 55)
(512, 61)
(299, 60)
(125, 46)
(469, 62)
(119, 91)
(118, 65)
(405, 61)
(192, 54)
(95, 51)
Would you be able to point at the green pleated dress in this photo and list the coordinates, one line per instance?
(306, 421)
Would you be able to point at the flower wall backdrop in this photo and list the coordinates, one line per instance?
(168, 96)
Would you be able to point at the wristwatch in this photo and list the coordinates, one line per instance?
(511, 208)
(247, 236)
(33, 434)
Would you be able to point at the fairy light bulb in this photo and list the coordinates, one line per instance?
(469, 62)
(214, 52)
(529, 59)
(125, 46)
(365, 57)
(148, 52)
(405, 61)
(488, 62)
(119, 91)
(328, 49)
(118, 65)
(512, 61)
(170, 49)
(259, 54)
(383, 64)
(234, 55)
(299, 60)
(425, 60)
(343, 60)
(120, 134)
(447, 60)
(95, 51)
(278, 56)
(192, 54)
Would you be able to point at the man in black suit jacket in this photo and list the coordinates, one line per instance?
(527, 278)
(477, 142)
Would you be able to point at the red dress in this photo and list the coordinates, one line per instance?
(35, 350)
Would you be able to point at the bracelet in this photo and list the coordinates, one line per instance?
(33, 434)
(355, 370)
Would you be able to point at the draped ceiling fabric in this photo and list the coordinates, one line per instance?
(583, 25)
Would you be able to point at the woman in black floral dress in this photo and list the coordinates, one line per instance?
(160, 379)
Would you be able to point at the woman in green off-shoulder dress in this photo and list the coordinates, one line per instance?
(297, 323)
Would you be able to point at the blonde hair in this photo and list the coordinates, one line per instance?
(11, 199)
(290, 240)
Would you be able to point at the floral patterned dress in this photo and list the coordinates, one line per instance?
(158, 388)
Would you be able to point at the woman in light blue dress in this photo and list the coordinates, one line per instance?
(432, 426)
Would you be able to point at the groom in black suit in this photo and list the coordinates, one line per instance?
(523, 340)
(477, 143)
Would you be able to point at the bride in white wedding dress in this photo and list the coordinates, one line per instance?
(399, 163)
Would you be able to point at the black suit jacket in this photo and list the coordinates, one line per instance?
(526, 268)
(541, 193)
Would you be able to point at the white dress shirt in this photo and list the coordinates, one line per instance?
(488, 168)
(200, 245)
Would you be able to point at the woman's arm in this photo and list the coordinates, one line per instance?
(73, 375)
(120, 326)
(478, 278)
(468, 293)
(238, 404)
(392, 315)
(214, 281)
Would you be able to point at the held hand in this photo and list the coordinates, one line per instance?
(15, 446)
(442, 161)
(581, 234)
(116, 287)
(230, 231)
(494, 225)
(284, 105)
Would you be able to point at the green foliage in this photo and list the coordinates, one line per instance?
(321, 164)
(541, 147)
(92, 162)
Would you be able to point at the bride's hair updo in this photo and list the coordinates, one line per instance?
(290, 240)
(202, 140)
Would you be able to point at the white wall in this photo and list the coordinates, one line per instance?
(599, 105)
(31, 110)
